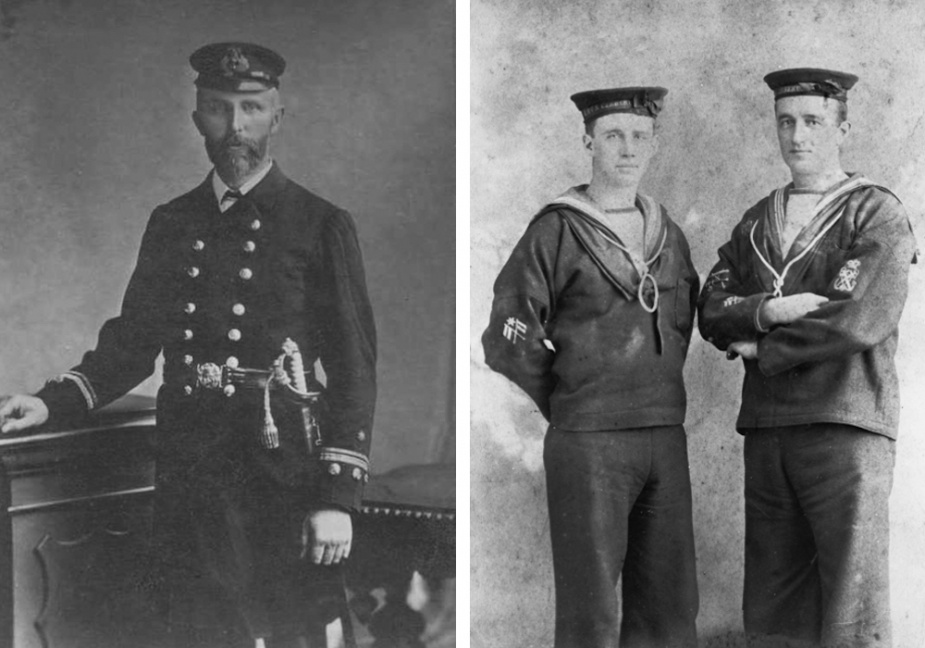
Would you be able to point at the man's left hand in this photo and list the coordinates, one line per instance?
(748, 349)
(327, 535)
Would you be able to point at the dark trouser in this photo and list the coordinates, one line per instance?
(620, 501)
(817, 535)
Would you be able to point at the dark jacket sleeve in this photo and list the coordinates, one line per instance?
(726, 311)
(515, 341)
(348, 356)
(127, 345)
(866, 294)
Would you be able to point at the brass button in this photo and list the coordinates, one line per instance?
(231, 362)
(198, 246)
(334, 469)
(249, 246)
(255, 224)
(361, 436)
(357, 474)
(238, 309)
(229, 390)
(187, 334)
(246, 273)
(234, 335)
(190, 308)
(187, 359)
(193, 272)
(187, 390)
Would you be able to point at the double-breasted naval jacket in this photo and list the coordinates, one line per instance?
(227, 290)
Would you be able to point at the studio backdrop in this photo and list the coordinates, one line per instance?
(96, 131)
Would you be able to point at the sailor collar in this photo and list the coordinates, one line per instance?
(826, 214)
(609, 252)
(653, 225)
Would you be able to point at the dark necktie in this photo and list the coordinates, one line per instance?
(231, 196)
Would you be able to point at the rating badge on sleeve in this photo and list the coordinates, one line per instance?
(732, 301)
(514, 330)
(848, 275)
(718, 279)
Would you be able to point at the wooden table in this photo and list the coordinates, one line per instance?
(75, 515)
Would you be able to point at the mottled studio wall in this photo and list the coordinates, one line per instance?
(95, 132)
(719, 155)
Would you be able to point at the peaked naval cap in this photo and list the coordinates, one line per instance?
(237, 67)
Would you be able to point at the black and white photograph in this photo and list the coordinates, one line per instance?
(696, 304)
(227, 305)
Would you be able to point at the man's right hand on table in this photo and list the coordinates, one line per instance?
(21, 412)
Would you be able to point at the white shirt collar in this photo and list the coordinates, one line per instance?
(219, 186)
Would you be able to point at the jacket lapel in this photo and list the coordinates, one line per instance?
(266, 193)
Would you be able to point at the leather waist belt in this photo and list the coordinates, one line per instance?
(286, 375)
(210, 376)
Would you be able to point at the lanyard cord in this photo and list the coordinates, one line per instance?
(645, 274)
(779, 278)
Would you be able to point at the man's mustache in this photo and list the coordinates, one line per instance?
(237, 140)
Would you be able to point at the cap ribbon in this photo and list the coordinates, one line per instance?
(812, 87)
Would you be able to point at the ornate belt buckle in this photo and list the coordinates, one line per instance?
(209, 376)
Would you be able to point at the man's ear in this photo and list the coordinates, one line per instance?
(588, 142)
(844, 128)
(277, 119)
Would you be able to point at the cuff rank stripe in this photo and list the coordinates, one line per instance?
(83, 384)
(343, 456)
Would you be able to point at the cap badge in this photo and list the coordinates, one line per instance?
(235, 62)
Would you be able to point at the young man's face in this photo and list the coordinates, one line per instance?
(809, 134)
(237, 127)
(621, 146)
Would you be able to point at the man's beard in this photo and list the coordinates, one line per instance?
(234, 165)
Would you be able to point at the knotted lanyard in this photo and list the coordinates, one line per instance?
(779, 277)
(572, 199)
(853, 183)
(644, 274)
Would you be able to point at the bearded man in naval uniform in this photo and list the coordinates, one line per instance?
(242, 283)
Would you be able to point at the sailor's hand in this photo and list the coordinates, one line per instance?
(21, 412)
(327, 535)
(748, 349)
(784, 310)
